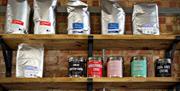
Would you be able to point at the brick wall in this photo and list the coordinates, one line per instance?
(56, 61)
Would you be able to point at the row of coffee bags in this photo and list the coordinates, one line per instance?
(145, 17)
(18, 14)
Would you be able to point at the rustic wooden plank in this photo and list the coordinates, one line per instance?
(138, 79)
(80, 83)
(43, 83)
(42, 80)
(137, 83)
(127, 42)
(79, 42)
(64, 42)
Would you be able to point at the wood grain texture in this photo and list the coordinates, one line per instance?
(79, 42)
(134, 42)
(136, 83)
(65, 42)
(80, 83)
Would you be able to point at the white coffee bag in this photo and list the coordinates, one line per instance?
(44, 16)
(145, 19)
(78, 18)
(112, 17)
(29, 61)
(17, 17)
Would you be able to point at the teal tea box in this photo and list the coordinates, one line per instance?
(139, 66)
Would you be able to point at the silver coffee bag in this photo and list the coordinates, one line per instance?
(29, 61)
(44, 16)
(78, 18)
(17, 17)
(112, 17)
(145, 19)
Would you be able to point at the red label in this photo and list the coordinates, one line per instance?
(45, 23)
(94, 68)
(17, 22)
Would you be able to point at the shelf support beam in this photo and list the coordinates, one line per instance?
(3, 89)
(90, 46)
(177, 87)
(7, 53)
(89, 84)
(170, 89)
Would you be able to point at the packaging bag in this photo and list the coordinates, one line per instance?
(17, 17)
(29, 61)
(112, 17)
(78, 18)
(145, 19)
(44, 16)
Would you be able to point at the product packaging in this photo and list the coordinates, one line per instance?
(44, 16)
(17, 17)
(163, 67)
(112, 17)
(139, 66)
(29, 61)
(145, 19)
(78, 18)
(95, 67)
(115, 67)
(77, 67)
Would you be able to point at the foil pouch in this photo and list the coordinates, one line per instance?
(17, 17)
(112, 18)
(145, 19)
(78, 18)
(29, 61)
(44, 16)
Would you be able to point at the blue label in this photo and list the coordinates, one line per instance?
(148, 25)
(30, 68)
(113, 26)
(78, 26)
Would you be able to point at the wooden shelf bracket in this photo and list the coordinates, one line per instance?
(7, 53)
(90, 46)
(169, 52)
(89, 84)
(178, 87)
(3, 89)
(90, 54)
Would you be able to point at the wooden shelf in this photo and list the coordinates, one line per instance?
(54, 42)
(79, 42)
(134, 42)
(43, 83)
(130, 82)
(80, 83)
